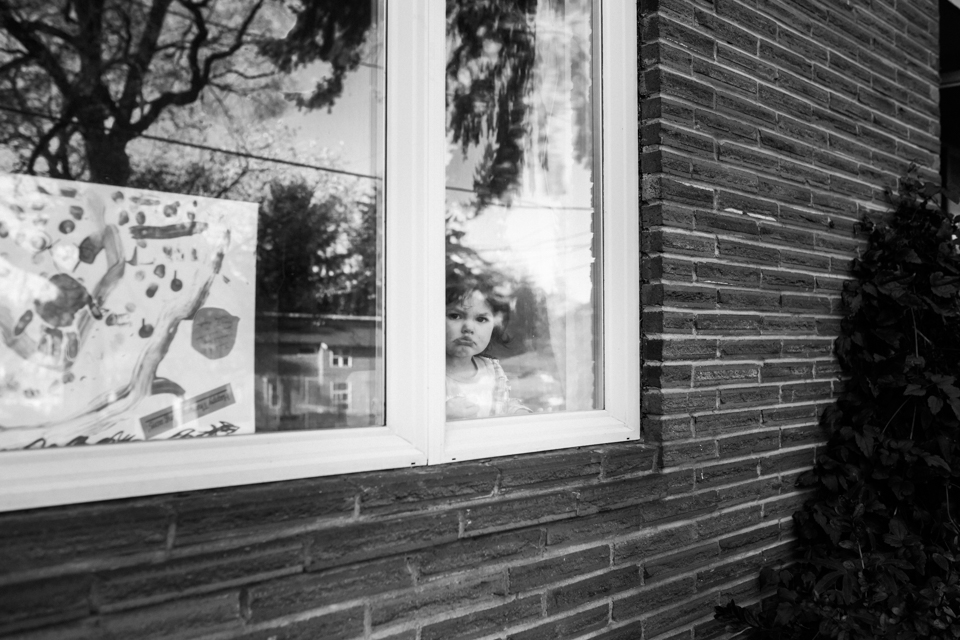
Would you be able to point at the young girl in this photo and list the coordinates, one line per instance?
(477, 387)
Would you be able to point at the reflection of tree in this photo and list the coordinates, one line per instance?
(315, 256)
(84, 78)
(503, 58)
(490, 58)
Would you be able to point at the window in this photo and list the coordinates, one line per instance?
(400, 181)
(340, 359)
(340, 395)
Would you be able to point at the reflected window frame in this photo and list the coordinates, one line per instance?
(415, 432)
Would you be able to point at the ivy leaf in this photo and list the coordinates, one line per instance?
(898, 533)
(935, 404)
(935, 461)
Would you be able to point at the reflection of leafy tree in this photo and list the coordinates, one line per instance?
(314, 256)
(84, 78)
(490, 62)
(331, 31)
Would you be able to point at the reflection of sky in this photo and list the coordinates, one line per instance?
(348, 128)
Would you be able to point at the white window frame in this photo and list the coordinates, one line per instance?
(415, 431)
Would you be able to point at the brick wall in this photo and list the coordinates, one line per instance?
(769, 127)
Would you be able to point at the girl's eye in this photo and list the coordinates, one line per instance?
(453, 315)
(483, 319)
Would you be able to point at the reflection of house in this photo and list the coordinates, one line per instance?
(316, 371)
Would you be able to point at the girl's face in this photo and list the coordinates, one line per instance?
(470, 324)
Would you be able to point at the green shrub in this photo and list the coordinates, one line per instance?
(878, 541)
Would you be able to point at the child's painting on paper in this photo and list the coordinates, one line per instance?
(124, 314)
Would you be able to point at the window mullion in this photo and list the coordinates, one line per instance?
(414, 220)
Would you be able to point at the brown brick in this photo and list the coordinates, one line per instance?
(795, 436)
(749, 63)
(193, 617)
(340, 625)
(807, 391)
(737, 203)
(679, 401)
(651, 598)
(567, 628)
(720, 474)
(786, 461)
(725, 31)
(725, 523)
(672, 85)
(513, 514)
(678, 616)
(733, 250)
(750, 443)
(623, 493)
(719, 173)
(680, 562)
(88, 534)
(474, 552)
(579, 593)
(722, 374)
(684, 453)
(744, 349)
(652, 543)
(725, 274)
(736, 223)
(785, 371)
(549, 469)
(595, 528)
(786, 416)
(673, 349)
(746, 156)
(211, 515)
(667, 322)
(723, 78)
(748, 396)
(729, 571)
(729, 128)
(740, 15)
(805, 304)
(717, 424)
(626, 460)
(276, 598)
(44, 602)
(781, 280)
(681, 507)
(179, 577)
(777, 325)
(341, 545)
(666, 376)
(661, 27)
(795, 238)
(485, 622)
(738, 542)
(435, 598)
(392, 491)
(807, 348)
(752, 491)
(545, 572)
(728, 324)
(745, 299)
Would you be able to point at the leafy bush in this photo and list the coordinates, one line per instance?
(878, 541)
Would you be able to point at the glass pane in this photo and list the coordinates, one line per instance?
(190, 219)
(521, 221)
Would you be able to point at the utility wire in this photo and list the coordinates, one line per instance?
(204, 147)
(291, 163)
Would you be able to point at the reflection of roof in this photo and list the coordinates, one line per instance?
(297, 365)
(332, 330)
